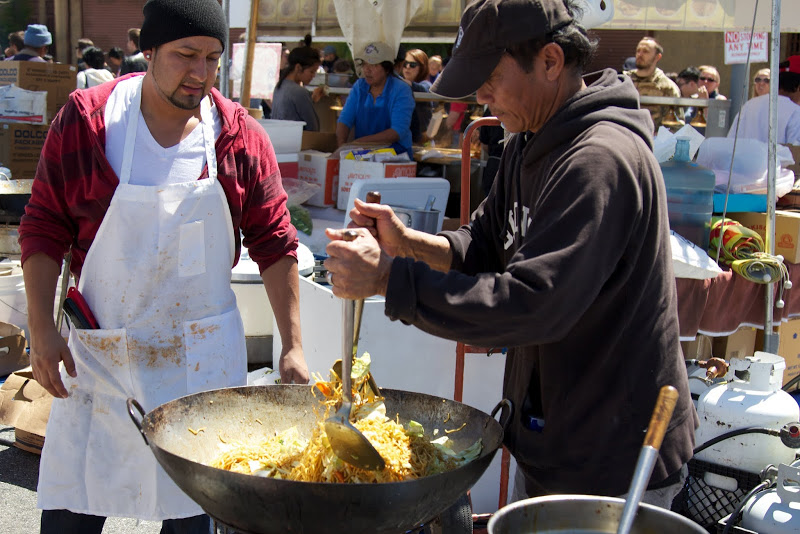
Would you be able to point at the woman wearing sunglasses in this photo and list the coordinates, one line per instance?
(709, 78)
(761, 82)
(415, 72)
(415, 67)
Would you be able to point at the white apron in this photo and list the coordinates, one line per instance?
(157, 278)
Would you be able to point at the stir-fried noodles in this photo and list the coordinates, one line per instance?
(407, 451)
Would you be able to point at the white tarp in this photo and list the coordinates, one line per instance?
(365, 21)
(701, 15)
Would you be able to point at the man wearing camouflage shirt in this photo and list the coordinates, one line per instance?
(649, 79)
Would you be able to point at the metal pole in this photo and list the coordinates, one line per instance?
(247, 70)
(225, 65)
(314, 19)
(770, 337)
(64, 287)
(740, 78)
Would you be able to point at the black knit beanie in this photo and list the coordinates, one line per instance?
(170, 20)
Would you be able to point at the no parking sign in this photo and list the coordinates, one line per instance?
(737, 44)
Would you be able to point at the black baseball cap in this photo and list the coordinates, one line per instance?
(487, 28)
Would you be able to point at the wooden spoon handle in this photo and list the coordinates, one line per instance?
(662, 414)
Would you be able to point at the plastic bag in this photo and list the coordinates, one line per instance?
(301, 219)
(298, 190)
(749, 166)
(665, 141)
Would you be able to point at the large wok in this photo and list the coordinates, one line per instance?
(264, 505)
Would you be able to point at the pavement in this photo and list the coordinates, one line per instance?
(19, 475)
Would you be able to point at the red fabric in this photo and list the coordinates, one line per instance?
(719, 306)
(458, 107)
(74, 183)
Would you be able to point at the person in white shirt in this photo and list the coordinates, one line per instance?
(753, 119)
(96, 71)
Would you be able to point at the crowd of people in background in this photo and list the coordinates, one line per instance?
(302, 62)
(94, 65)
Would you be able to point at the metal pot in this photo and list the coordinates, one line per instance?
(14, 196)
(259, 505)
(418, 219)
(587, 514)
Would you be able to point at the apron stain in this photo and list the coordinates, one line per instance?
(165, 354)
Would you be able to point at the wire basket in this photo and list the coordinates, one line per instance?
(705, 504)
(735, 530)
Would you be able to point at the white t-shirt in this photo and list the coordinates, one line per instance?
(152, 163)
(755, 120)
(91, 77)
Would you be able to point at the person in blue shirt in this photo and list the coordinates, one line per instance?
(380, 105)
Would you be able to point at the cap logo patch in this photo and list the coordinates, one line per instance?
(371, 49)
(458, 38)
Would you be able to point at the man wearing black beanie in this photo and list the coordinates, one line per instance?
(170, 20)
(149, 180)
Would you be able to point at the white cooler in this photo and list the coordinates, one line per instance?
(254, 306)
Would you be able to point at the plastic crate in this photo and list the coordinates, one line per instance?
(705, 504)
(735, 530)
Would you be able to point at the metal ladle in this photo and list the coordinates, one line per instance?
(347, 442)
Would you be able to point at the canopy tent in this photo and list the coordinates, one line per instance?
(437, 20)
(360, 21)
(701, 15)
(290, 20)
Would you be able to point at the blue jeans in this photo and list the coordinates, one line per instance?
(66, 522)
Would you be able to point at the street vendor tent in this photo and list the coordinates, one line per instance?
(438, 19)
(701, 15)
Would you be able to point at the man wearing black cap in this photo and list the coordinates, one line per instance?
(149, 180)
(566, 262)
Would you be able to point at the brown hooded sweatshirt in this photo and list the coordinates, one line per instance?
(567, 262)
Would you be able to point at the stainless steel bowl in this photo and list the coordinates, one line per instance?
(584, 514)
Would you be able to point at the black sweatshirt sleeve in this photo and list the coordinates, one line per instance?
(581, 225)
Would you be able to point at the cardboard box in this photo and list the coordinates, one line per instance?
(288, 169)
(351, 170)
(700, 348)
(21, 105)
(25, 405)
(57, 79)
(737, 345)
(287, 165)
(322, 141)
(788, 347)
(319, 168)
(12, 349)
(787, 230)
(20, 148)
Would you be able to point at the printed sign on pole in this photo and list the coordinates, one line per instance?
(736, 44)
(265, 76)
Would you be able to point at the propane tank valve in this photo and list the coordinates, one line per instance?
(790, 435)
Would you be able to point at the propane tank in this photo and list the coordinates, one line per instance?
(699, 382)
(777, 510)
(752, 397)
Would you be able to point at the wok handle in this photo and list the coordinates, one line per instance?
(133, 403)
(505, 403)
